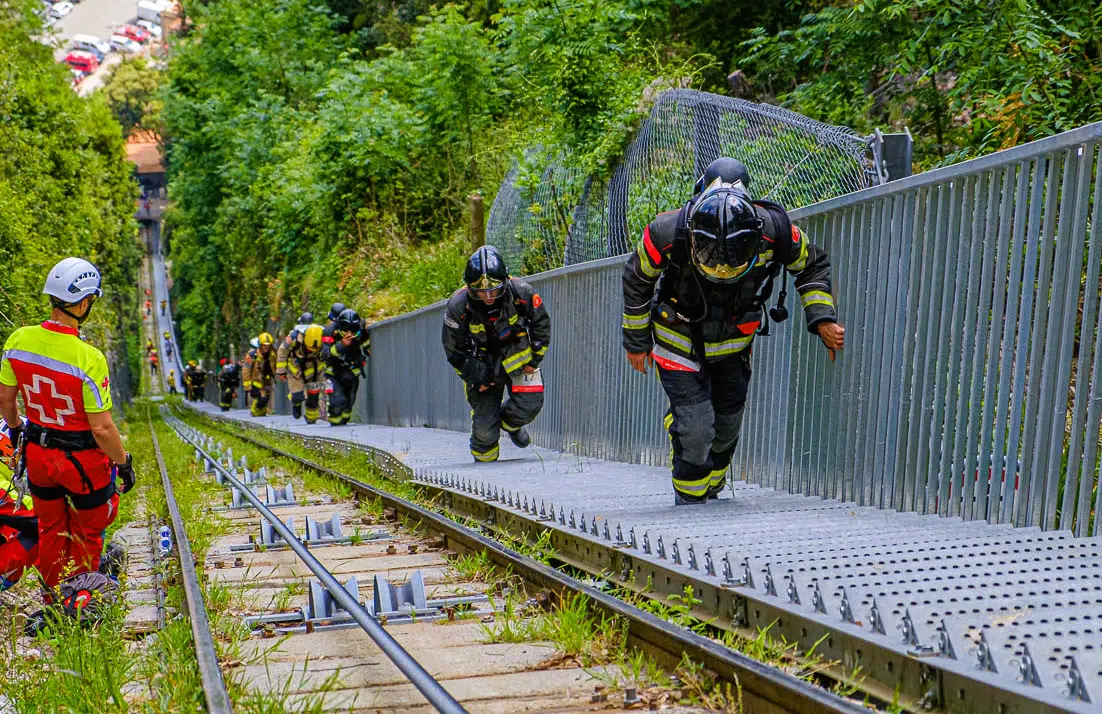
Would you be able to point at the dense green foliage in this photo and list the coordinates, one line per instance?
(969, 77)
(131, 92)
(323, 150)
(65, 187)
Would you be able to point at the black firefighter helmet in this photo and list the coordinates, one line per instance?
(335, 311)
(725, 234)
(486, 274)
(348, 322)
(726, 170)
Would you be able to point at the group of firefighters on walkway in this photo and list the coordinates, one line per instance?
(313, 359)
(695, 293)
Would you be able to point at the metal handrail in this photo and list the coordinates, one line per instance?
(418, 676)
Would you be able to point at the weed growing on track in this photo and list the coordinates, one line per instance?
(171, 669)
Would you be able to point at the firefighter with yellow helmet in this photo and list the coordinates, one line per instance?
(259, 374)
(305, 373)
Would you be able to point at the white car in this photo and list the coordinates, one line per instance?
(122, 43)
(89, 42)
(154, 28)
(60, 9)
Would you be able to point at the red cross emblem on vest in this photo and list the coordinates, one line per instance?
(42, 396)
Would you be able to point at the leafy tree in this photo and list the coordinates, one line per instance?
(131, 91)
(65, 187)
(968, 77)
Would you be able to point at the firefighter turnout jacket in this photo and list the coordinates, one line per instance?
(303, 366)
(293, 337)
(340, 358)
(513, 333)
(259, 370)
(692, 319)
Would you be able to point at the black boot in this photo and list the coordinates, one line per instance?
(520, 438)
(714, 491)
(113, 560)
(683, 499)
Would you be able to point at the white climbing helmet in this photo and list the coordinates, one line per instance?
(72, 280)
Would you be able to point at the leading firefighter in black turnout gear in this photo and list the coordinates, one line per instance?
(346, 344)
(694, 292)
(496, 334)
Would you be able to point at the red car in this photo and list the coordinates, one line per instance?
(138, 34)
(83, 61)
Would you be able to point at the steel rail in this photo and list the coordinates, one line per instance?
(772, 689)
(214, 686)
(433, 691)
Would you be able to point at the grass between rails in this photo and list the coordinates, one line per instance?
(194, 496)
(580, 633)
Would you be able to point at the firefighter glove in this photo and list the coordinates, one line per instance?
(475, 371)
(125, 473)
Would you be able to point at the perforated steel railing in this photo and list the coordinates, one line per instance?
(972, 380)
(547, 213)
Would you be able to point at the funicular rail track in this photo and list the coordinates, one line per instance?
(764, 688)
(432, 690)
(214, 686)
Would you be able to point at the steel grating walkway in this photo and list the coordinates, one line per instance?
(991, 608)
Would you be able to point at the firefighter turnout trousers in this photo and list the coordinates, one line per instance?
(261, 396)
(489, 415)
(310, 398)
(345, 385)
(704, 420)
(226, 401)
(75, 501)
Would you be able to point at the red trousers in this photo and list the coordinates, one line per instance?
(70, 539)
(18, 551)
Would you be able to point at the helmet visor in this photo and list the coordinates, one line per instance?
(486, 288)
(725, 259)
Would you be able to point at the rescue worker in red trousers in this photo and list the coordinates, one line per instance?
(496, 334)
(305, 371)
(345, 347)
(713, 263)
(18, 524)
(73, 453)
(259, 374)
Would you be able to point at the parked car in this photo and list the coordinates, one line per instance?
(135, 33)
(60, 9)
(90, 43)
(84, 61)
(151, 27)
(90, 50)
(122, 43)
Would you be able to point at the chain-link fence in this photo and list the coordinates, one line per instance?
(548, 213)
